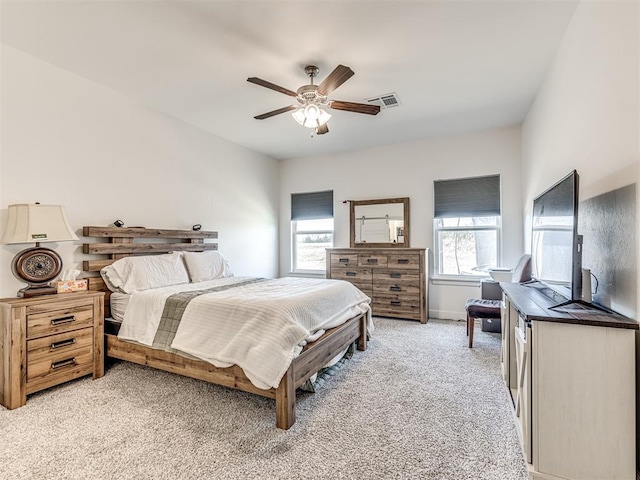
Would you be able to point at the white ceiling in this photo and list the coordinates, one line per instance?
(456, 66)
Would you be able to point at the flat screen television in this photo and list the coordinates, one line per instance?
(556, 247)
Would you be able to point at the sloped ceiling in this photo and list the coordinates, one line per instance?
(456, 66)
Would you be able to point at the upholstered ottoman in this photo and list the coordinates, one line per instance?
(480, 308)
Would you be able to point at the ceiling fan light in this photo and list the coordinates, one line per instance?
(311, 117)
(324, 117)
(312, 111)
(310, 123)
(298, 116)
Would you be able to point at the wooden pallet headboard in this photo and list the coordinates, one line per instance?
(120, 242)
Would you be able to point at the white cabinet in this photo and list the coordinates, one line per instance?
(583, 388)
(572, 380)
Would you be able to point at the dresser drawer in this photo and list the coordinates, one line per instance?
(413, 314)
(353, 275)
(410, 261)
(402, 306)
(372, 260)
(60, 364)
(397, 301)
(58, 321)
(44, 347)
(402, 288)
(400, 277)
(349, 259)
(364, 288)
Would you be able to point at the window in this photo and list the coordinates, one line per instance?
(467, 225)
(311, 230)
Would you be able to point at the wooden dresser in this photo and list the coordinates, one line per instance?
(394, 278)
(48, 340)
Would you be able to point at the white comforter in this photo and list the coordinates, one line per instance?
(260, 327)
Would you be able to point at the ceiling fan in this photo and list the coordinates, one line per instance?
(313, 98)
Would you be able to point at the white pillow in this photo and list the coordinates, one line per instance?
(203, 266)
(133, 274)
(111, 279)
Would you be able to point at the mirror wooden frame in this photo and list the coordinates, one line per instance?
(352, 223)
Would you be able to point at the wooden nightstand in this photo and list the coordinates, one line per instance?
(48, 340)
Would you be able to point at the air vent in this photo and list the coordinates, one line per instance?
(388, 100)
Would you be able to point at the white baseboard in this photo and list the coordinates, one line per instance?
(447, 315)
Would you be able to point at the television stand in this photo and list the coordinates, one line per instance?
(571, 375)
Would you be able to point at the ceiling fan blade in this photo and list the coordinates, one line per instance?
(355, 107)
(275, 112)
(272, 86)
(336, 78)
(322, 129)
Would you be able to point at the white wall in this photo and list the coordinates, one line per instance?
(408, 170)
(66, 140)
(586, 116)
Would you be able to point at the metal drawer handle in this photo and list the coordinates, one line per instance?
(63, 343)
(344, 260)
(351, 274)
(63, 363)
(403, 261)
(394, 288)
(395, 275)
(372, 260)
(63, 320)
(396, 303)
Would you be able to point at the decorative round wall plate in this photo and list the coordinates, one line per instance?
(37, 266)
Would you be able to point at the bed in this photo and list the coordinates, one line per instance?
(325, 338)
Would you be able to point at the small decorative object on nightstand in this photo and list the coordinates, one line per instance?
(48, 340)
(35, 223)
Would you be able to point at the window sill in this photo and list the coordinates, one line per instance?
(457, 280)
(308, 274)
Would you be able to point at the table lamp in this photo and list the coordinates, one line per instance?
(35, 223)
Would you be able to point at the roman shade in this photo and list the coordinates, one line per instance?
(312, 205)
(467, 197)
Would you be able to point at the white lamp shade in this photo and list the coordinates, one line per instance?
(311, 116)
(298, 116)
(29, 223)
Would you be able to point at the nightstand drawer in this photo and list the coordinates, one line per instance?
(60, 364)
(44, 347)
(58, 321)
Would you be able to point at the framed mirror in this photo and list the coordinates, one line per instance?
(379, 223)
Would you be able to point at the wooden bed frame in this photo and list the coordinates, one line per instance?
(120, 243)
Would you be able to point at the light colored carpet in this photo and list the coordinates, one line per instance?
(418, 404)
